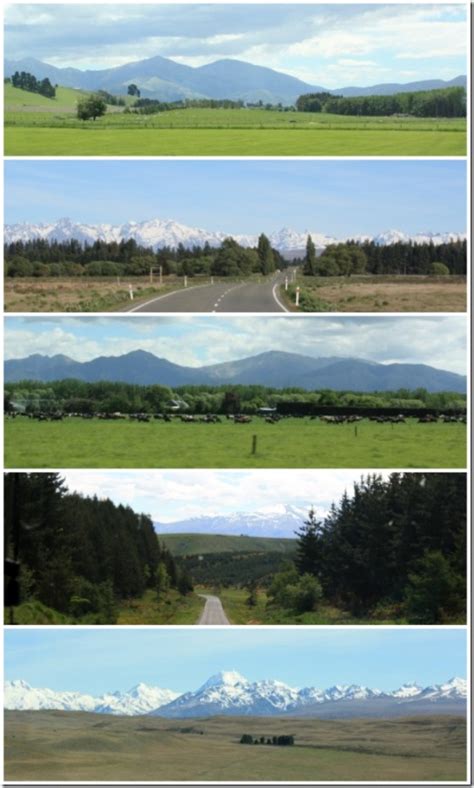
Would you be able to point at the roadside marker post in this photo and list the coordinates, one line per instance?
(297, 299)
(185, 281)
(286, 283)
(130, 290)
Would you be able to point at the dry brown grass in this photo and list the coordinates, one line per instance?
(80, 294)
(389, 294)
(78, 746)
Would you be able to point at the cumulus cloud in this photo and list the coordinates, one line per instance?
(301, 40)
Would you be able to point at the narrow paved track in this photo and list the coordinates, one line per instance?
(220, 297)
(213, 612)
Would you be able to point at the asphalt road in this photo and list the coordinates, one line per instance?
(220, 297)
(213, 612)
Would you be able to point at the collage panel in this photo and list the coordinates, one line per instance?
(235, 236)
(240, 547)
(281, 718)
(230, 79)
(236, 393)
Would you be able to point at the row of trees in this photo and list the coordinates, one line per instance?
(27, 81)
(439, 103)
(77, 396)
(402, 258)
(81, 555)
(395, 547)
(41, 258)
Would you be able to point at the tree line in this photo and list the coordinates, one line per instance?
(80, 555)
(77, 396)
(42, 258)
(394, 548)
(27, 81)
(438, 103)
(401, 258)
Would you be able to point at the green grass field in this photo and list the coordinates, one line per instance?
(74, 746)
(292, 443)
(201, 544)
(172, 608)
(53, 130)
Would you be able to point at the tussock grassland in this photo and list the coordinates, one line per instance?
(379, 294)
(79, 746)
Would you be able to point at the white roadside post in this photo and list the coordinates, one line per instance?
(130, 290)
(212, 280)
(151, 275)
(161, 275)
(185, 281)
(297, 299)
(286, 283)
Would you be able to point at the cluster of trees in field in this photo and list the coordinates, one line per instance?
(146, 106)
(41, 258)
(277, 741)
(27, 81)
(394, 548)
(437, 103)
(109, 98)
(78, 555)
(401, 258)
(77, 396)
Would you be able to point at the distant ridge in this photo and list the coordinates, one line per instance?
(157, 233)
(275, 369)
(229, 693)
(164, 79)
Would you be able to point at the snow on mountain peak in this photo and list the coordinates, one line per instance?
(158, 233)
(225, 678)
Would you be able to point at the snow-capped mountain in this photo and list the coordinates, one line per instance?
(230, 693)
(141, 699)
(281, 520)
(157, 233)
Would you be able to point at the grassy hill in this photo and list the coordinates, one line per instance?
(202, 544)
(64, 101)
(17, 100)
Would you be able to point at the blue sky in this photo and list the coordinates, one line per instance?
(436, 340)
(177, 495)
(108, 659)
(328, 45)
(332, 197)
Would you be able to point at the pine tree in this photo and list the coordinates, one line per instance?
(308, 550)
(309, 263)
(265, 255)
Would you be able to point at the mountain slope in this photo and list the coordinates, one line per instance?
(272, 368)
(278, 522)
(229, 693)
(180, 544)
(164, 79)
(157, 233)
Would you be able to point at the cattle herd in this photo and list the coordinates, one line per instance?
(239, 418)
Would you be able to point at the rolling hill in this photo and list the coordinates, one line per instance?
(274, 369)
(182, 544)
(164, 79)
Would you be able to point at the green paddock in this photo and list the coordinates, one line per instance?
(291, 443)
(109, 141)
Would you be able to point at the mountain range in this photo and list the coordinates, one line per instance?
(163, 79)
(281, 520)
(229, 693)
(157, 233)
(274, 369)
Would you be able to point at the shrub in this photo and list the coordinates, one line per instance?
(439, 269)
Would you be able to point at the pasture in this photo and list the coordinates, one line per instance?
(379, 294)
(34, 130)
(291, 443)
(64, 746)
